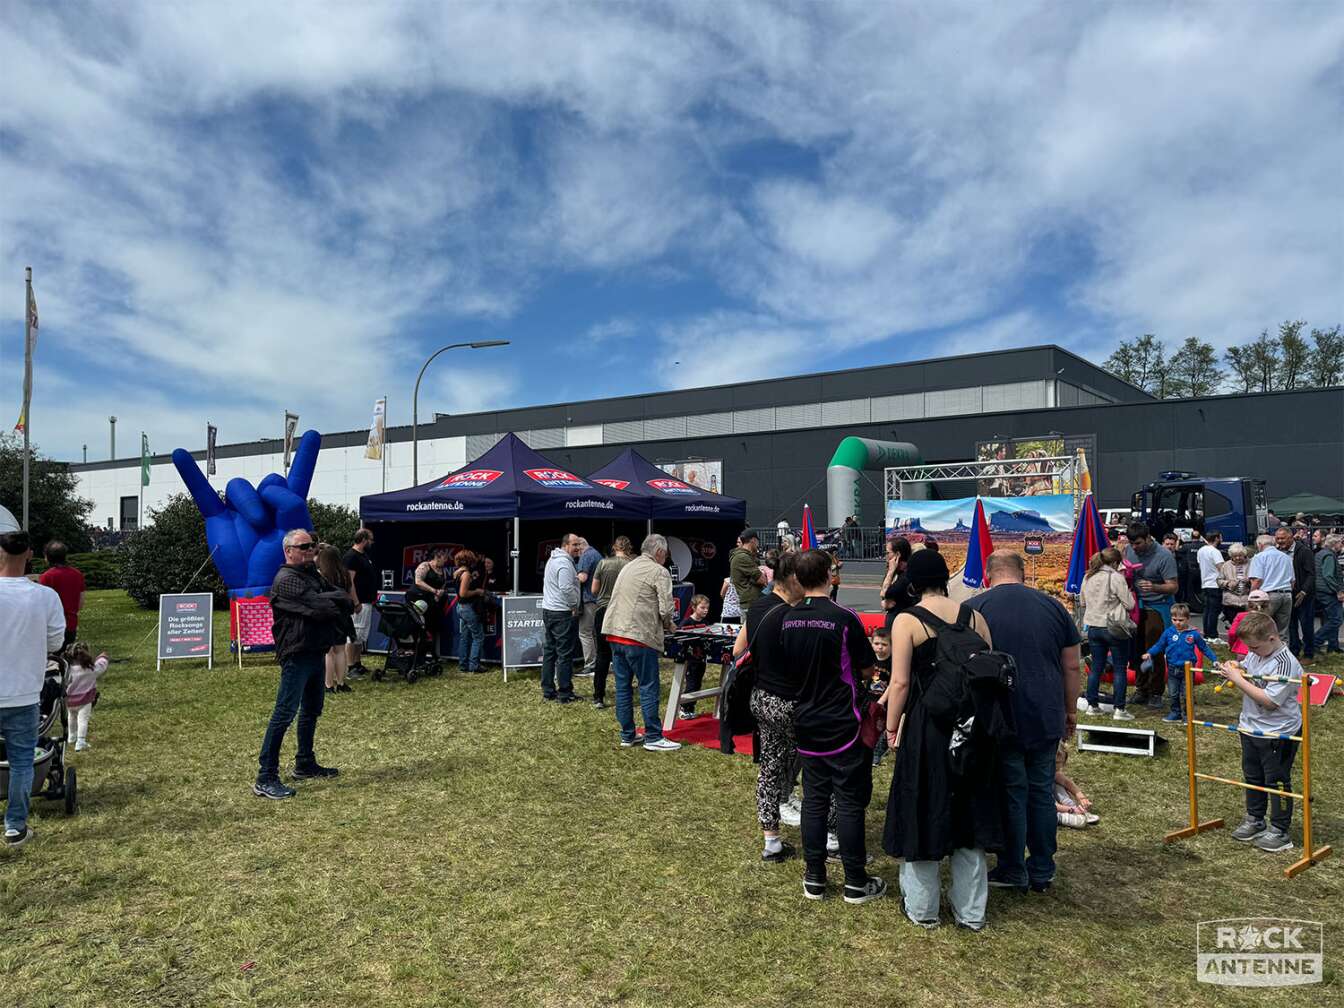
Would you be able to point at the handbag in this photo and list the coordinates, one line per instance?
(1123, 628)
(872, 721)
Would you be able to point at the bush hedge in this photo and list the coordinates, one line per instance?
(164, 555)
(101, 568)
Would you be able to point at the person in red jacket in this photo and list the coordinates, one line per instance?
(68, 583)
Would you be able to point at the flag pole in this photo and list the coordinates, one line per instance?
(384, 444)
(27, 382)
(140, 515)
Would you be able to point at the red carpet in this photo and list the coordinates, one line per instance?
(704, 731)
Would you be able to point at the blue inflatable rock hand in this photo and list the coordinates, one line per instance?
(245, 530)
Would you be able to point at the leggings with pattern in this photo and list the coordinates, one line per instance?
(774, 716)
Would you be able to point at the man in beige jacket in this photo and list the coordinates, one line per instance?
(641, 608)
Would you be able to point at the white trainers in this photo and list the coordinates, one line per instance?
(1092, 711)
(662, 745)
(1073, 820)
(1122, 715)
(791, 813)
(81, 745)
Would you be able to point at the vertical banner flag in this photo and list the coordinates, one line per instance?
(211, 433)
(1088, 538)
(809, 535)
(978, 549)
(144, 459)
(377, 430)
(291, 425)
(29, 348)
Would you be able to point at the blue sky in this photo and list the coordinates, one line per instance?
(234, 210)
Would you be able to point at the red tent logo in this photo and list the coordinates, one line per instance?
(671, 486)
(472, 479)
(555, 478)
(614, 484)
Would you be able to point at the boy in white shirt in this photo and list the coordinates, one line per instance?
(1270, 714)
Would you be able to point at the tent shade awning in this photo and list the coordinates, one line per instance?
(1287, 507)
(510, 480)
(635, 477)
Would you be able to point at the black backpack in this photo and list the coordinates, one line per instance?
(970, 695)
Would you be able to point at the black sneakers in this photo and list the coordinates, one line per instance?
(316, 770)
(814, 888)
(785, 852)
(15, 839)
(874, 888)
(273, 790)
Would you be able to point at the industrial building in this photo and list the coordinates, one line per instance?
(770, 441)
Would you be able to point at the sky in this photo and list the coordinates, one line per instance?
(233, 210)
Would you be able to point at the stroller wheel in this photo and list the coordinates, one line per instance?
(71, 792)
(434, 669)
(411, 676)
(378, 675)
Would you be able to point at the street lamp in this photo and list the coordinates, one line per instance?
(415, 399)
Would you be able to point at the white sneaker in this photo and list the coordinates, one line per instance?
(81, 745)
(790, 814)
(1122, 715)
(662, 745)
(1074, 820)
(1092, 711)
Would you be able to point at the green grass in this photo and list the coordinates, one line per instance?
(481, 848)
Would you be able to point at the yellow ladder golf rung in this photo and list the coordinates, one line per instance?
(1249, 787)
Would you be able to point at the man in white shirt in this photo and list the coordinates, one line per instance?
(1210, 558)
(32, 625)
(1272, 572)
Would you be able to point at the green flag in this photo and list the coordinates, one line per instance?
(144, 459)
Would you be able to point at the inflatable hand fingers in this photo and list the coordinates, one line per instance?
(246, 529)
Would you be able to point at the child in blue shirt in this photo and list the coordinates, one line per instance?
(1179, 642)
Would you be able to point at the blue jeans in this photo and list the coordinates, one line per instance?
(1332, 616)
(557, 653)
(1029, 822)
(471, 636)
(302, 691)
(1101, 647)
(633, 663)
(19, 727)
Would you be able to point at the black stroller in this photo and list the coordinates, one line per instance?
(52, 777)
(409, 645)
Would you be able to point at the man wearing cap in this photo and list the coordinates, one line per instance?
(745, 570)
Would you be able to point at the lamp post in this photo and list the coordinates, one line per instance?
(415, 399)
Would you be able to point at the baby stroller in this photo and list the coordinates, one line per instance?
(409, 646)
(52, 778)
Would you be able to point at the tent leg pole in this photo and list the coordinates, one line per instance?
(649, 530)
(517, 551)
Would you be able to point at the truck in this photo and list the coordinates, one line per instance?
(1188, 504)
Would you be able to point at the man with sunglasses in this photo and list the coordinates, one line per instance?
(307, 611)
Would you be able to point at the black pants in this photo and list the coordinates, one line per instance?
(695, 678)
(1302, 628)
(557, 654)
(848, 777)
(1269, 763)
(1213, 601)
(601, 657)
(300, 691)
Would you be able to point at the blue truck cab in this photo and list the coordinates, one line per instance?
(1187, 504)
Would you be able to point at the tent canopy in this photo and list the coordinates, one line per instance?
(1307, 504)
(634, 476)
(510, 480)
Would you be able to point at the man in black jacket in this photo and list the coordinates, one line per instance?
(307, 611)
(1302, 622)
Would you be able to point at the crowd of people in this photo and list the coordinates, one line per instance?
(975, 700)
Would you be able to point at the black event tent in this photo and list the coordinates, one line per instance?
(631, 473)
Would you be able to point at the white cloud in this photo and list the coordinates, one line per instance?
(219, 198)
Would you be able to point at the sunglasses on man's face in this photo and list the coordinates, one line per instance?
(305, 547)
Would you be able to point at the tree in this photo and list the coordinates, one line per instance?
(54, 511)
(1326, 365)
(1141, 362)
(1239, 360)
(334, 523)
(1263, 355)
(1295, 355)
(169, 554)
(1195, 370)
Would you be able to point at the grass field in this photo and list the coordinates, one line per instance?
(481, 848)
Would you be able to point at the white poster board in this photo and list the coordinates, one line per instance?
(523, 632)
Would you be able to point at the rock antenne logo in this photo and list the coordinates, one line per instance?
(472, 479)
(1259, 952)
(671, 486)
(555, 478)
(613, 483)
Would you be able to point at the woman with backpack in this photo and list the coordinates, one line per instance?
(933, 811)
(1107, 601)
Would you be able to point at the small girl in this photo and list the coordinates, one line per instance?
(82, 692)
(1256, 601)
(696, 615)
(1072, 807)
